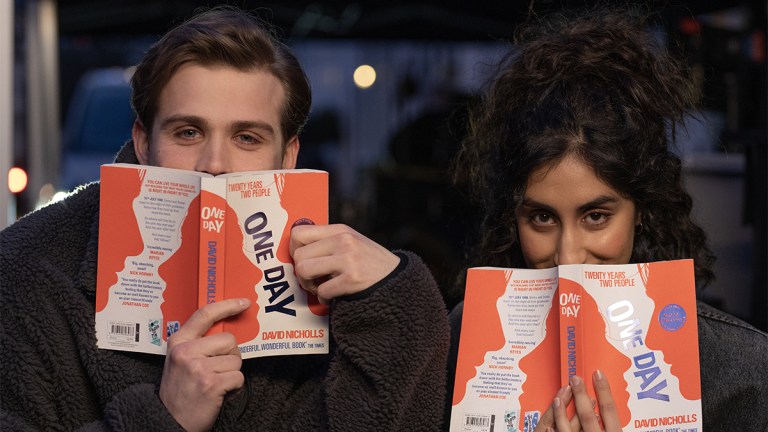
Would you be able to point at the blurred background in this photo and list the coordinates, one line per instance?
(390, 80)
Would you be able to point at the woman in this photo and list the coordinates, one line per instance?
(569, 156)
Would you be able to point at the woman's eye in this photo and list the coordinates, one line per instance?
(542, 219)
(596, 218)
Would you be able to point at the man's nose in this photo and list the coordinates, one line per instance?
(213, 158)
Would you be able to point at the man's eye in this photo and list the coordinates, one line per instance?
(248, 139)
(189, 133)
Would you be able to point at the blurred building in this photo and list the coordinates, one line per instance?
(388, 145)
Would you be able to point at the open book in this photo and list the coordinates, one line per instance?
(171, 241)
(524, 332)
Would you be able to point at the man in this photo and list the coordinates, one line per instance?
(217, 94)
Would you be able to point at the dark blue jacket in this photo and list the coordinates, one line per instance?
(734, 371)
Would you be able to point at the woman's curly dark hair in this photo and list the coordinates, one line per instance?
(599, 87)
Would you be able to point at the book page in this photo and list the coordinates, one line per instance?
(148, 230)
(262, 209)
(507, 369)
(638, 326)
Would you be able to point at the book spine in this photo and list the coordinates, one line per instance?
(213, 192)
(569, 302)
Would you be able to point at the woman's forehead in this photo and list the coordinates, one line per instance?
(568, 179)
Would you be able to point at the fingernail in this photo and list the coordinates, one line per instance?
(575, 380)
(243, 302)
(599, 375)
(556, 403)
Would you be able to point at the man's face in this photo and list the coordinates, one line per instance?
(217, 120)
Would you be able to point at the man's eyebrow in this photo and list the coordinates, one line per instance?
(248, 124)
(181, 118)
(237, 125)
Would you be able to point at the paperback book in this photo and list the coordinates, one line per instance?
(525, 332)
(172, 241)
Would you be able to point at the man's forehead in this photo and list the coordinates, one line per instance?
(256, 94)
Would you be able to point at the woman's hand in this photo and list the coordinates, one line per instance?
(586, 419)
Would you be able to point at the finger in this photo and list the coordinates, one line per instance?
(206, 316)
(576, 423)
(305, 235)
(311, 249)
(567, 398)
(313, 272)
(547, 420)
(561, 417)
(318, 266)
(223, 363)
(608, 410)
(310, 245)
(219, 344)
(232, 380)
(583, 403)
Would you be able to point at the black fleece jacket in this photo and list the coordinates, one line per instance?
(385, 371)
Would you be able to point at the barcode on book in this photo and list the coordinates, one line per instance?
(126, 332)
(478, 423)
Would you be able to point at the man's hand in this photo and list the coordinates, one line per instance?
(200, 370)
(335, 260)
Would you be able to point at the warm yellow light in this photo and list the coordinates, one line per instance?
(364, 76)
(17, 180)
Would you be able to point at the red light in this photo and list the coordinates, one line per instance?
(690, 26)
(17, 180)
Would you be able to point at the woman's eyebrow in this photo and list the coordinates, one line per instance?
(598, 202)
(601, 200)
(529, 203)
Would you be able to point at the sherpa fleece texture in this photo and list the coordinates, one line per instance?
(386, 369)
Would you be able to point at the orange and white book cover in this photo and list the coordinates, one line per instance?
(261, 210)
(171, 241)
(637, 324)
(508, 361)
(524, 332)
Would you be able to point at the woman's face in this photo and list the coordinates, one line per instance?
(569, 216)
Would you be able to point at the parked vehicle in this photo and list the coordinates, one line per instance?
(98, 122)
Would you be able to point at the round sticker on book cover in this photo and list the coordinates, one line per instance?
(672, 317)
(302, 221)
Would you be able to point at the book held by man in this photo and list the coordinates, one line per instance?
(526, 331)
(171, 241)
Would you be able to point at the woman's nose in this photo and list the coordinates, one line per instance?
(570, 248)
